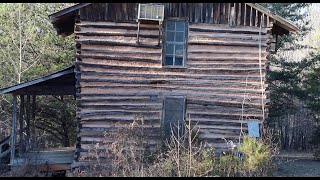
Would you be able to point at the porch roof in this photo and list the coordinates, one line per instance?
(59, 83)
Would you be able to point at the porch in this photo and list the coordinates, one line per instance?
(17, 148)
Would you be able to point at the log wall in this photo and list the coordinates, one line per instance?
(118, 79)
(210, 13)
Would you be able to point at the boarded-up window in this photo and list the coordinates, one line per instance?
(175, 42)
(173, 116)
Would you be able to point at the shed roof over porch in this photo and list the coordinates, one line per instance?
(59, 83)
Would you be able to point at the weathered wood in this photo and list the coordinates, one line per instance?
(28, 131)
(224, 31)
(21, 125)
(118, 44)
(251, 14)
(256, 19)
(118, 82)
(33, 113)
(239, 15)
(14, 128)
(245, 15)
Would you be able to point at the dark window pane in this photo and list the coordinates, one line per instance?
(178, 61)
(180, 26)
(174, 111)
(169, 48)
(179, 50)
(179, 37)
(170, 36)
(168, 60)
(170, 25)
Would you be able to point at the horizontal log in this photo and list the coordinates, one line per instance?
(224, 52)
(162, 87)
(194, 94)
(233, 116)
(225, 103)
(229, 36)
(121, 100)
(122, 107)
(114, 130)
(120, 119)
(226, 78)
(172, 82)
(120, 52)
(209, 39)
(244, 44)
(124, 112)
(121, 116)
(120, 39)
(112, 43)
(237, 31)
(197, 47)
(110, 23)
(234, 121)
(222, 109)
(128, 27)
(226, 27)
(121, 58)
(102, 34)
(155, 69)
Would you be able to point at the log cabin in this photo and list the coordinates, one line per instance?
(170, 63)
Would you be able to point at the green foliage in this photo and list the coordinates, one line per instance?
(256, 153)
(179, 159)
(56, 116)
(29, 44)
(29, 48)
(285, 76)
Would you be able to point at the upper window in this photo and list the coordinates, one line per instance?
(175, 41)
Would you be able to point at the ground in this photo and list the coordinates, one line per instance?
(293, 164)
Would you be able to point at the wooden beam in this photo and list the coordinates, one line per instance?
(256, 20)
(239, 15)
(14, 128)
(21, 115)
(245, 15)
(28, 123)
(250, 16)
(33, 112)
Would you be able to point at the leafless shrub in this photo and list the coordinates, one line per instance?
(183, 155)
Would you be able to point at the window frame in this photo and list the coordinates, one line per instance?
(184, 43)
(183, 120)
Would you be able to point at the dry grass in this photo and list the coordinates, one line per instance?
(181, 156)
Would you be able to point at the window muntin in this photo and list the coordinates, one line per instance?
(175, 43)
(174, 109)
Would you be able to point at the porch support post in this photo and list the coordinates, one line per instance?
(28, 123)
(33, 114)
(14, 128)
(21, 125)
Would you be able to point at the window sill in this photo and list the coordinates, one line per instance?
(174, 67)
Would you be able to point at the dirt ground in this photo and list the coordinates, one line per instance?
(297, 165)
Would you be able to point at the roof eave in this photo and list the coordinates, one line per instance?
(38, 80)
(280, 21)
(65, 11)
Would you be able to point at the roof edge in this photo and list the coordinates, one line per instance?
(57, 74)
(67, 10)
(282, 22)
